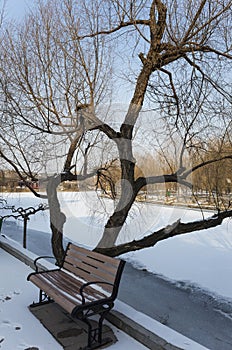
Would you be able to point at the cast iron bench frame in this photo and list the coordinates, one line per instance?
(85, 285)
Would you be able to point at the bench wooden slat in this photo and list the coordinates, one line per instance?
(87, 276)
(66, 285)
(53, 285)
(56, 295)
(97, 272)
(97, 256)
(72, 286)
(104, 266)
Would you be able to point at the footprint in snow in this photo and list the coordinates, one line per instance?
(6, 322)
(17, 292)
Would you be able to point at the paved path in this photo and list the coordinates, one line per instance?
(188, 311)
(185, 309)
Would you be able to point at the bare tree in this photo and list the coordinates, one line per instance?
(60, 68)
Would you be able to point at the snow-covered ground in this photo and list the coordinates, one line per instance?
(202, 259)
(20, 330)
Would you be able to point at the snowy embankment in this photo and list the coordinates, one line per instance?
(202, 259)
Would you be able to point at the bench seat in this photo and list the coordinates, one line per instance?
(64, 289)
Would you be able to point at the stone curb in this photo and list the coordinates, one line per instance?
(121, 321)
(138, 332)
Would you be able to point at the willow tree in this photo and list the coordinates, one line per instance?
(64, 64)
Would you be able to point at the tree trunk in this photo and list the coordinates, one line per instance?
(117, 219)
(57, 219)
(127, 195)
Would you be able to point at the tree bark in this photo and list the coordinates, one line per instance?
(128, 194)
(118, 218)
(57, 219)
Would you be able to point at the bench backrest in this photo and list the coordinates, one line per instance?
(92, 266)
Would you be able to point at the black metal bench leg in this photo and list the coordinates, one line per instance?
(95, 334)
(91, 336)
(100, 322)
(43, 299)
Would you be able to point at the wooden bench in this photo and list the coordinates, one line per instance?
(86, 285)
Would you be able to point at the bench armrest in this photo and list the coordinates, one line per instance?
(88, 284)
(41, 257)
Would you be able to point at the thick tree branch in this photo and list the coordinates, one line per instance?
(115, 29)
(151, 180)
(208, 48)
(68, 176)
(156, 33)
(177, 228)
(157, 28)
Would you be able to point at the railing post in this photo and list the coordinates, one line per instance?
(1, 220)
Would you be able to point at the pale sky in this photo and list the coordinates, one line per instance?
(16, 8)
